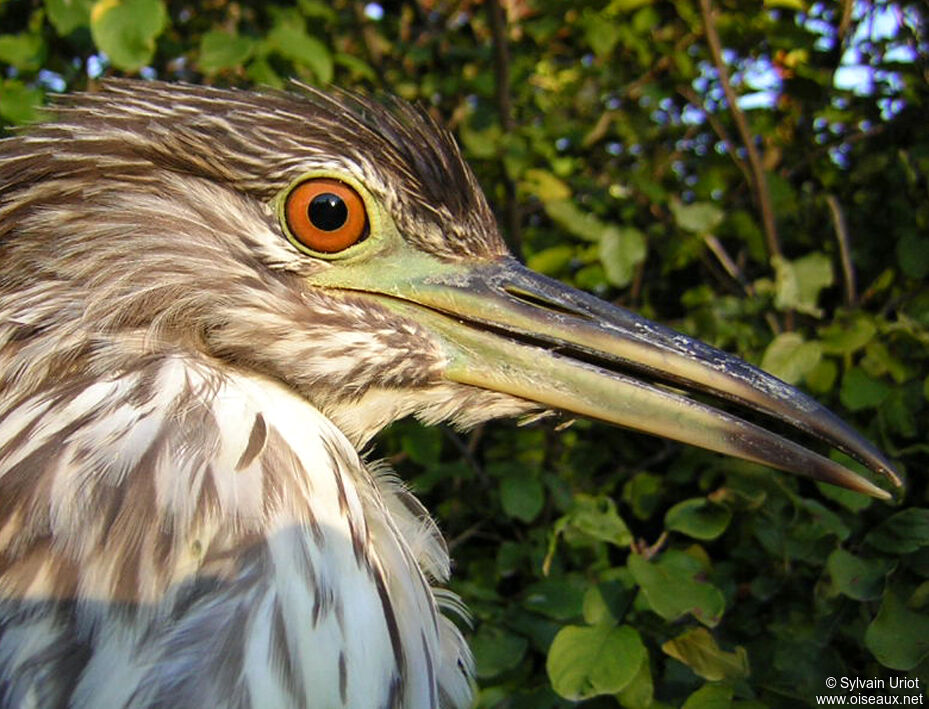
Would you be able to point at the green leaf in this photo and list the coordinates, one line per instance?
(222, 50)
(590, 277)
(261, 72)
(674, 586)
(745, 228)
(558, 598)
(496, 650)
(790, 358)
(710, 696)
(640, 692)
(898, 637)
(879, 360)
(856, 577)
(847, 336)
(913, 255)
(642, 493)
(860, 391)
(483, 144)
(821, 378)
(584, 662)
(645, 22)
(798, 283)
(622, 6)
(605, 603)
(24, 51)
(521, 496)
(903, 533)
(317, 8)
(510, 557)
(423, 445)
(359, 69)
(919, 600)
(821, 522)
(797, 5)
(545, 185)
(697, 649)
(601, 32)
(67, 15)
(551, 261)
(596, 611)
(783, 194)
(698, 518)
(598, 518)
(290, 39)
(126, 30)
(19, 104)
(574, 220)
(621, 250)
(697, 218)
(899, 411)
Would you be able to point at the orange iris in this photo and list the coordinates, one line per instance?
(326, 215)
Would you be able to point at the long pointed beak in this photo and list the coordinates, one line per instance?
(511, 330)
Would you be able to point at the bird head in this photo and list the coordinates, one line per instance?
(342, 247)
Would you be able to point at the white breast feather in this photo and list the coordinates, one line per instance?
(225, 546)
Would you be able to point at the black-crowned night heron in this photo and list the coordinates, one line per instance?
(209, 300)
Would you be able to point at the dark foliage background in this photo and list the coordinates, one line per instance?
(712, 164)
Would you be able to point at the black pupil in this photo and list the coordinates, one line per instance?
(328, 212)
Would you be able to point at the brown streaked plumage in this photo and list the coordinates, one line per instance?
(184, 518)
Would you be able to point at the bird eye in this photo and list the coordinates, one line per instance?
(326, 215)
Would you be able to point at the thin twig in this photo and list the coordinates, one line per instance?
(760, 182)
(846, 21)
(638, 281)
(634, 89)
(719, 251)
(474, 440)
(466, 453)
(732, 268)
(504, 107)
(465, 535)
(600, 129)
(841, 234)
(642, 548)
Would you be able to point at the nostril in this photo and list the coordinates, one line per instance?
(538, 301)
